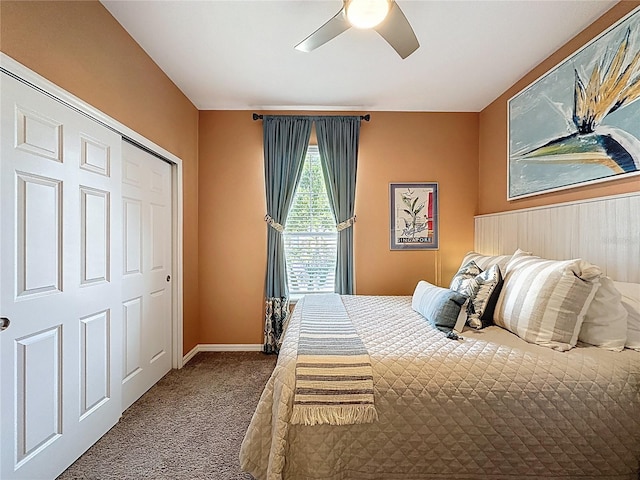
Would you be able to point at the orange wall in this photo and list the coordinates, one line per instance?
(493, 136)
(80, 47)
(394, 147)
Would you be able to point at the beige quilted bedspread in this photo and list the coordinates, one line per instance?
(491, 406)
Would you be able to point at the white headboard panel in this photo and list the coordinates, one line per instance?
(604, 231)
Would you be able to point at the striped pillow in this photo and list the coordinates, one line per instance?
(545, 301)
(486, 261)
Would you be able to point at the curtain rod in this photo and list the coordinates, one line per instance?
(366, 117)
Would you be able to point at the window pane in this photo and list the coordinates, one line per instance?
(310, 237)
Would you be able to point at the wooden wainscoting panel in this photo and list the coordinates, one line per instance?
(603, 231)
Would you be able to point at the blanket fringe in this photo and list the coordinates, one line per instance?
(338, 415)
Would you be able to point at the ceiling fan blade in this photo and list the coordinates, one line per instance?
(334, 27)
(397, 31)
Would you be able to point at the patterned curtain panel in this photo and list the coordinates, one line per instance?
(285, 143)
(276, 312)
(338, 139)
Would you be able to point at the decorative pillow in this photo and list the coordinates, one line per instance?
(440, 306)
(631, 302)
(486, 289)
(482, 288)
(545, 301)
(605, 323)
(462, 279)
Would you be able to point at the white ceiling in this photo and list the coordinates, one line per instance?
(239, 55)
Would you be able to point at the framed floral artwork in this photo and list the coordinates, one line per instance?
(580, 122)
(413, 216)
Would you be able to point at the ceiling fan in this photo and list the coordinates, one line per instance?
(384, 16)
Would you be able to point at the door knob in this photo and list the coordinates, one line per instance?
(4, 323)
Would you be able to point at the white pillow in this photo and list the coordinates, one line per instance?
(545, 301)
(605, 324)
(631, 302)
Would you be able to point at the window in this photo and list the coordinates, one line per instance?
(310, 237)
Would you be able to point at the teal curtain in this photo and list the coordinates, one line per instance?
(338, 139)
(285, 144)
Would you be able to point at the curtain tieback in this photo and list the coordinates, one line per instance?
(275, 225)
(346, 224)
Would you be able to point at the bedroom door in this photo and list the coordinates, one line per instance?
(60, 287)
(146, 276)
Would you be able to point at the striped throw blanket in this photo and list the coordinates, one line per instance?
(334, 378)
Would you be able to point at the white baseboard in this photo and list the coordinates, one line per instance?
(222, 347)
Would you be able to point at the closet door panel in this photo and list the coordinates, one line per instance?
(60, 237)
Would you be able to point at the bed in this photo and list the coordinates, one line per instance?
(491, 405)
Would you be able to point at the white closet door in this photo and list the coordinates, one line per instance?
(146, 271)
(60, 283)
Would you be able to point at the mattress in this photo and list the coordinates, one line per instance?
(490, 405)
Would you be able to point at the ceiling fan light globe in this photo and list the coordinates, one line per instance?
(366, 13)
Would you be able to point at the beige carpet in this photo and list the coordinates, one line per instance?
(188, 426)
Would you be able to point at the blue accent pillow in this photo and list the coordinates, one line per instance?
(440, 306)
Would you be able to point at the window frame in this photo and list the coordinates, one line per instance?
(295, 295)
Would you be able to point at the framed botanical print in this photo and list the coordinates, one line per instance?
(413, 216)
